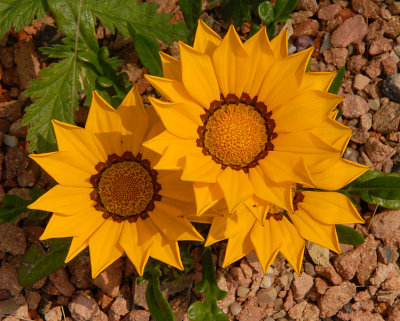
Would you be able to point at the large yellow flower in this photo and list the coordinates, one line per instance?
(108, 196)
(246, 121)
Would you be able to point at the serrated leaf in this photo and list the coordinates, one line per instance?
(208, 310)
(143, 18)
(337, 81)
(191, 10)
(42, 260)
(266, 12)
(13, 207)
(19, 13)
(147, 50)
(56, 93)
(283, 8)
(348, 235)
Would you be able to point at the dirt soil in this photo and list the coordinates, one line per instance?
(361, 284)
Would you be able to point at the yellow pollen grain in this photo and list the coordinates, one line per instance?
(235, 134)
(125, 188)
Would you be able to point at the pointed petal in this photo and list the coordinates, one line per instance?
(206, 196)
(137, 252)
(288, 71)
(104, 246)
(235, 186)
(102, 117)
(293, 244)
(78, 244)
(334, 134)
(317, 80)
(288, 115)
(200, 168)
(173, 187)
(206, 39)
(279, 44)
(111, 142)
(171, 67)
(172, 114)
(314, 231)
(198, 76)
(64, 200)
(330, 208)
(161, 142)
(64, 168)
(229, 61)
(238, 246)
(258, 207)
(174, 157)
(261, 59)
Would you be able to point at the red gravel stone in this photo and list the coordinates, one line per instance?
(389, 66)
(329, 12)
(335, 298)
(367, 8)
(137, 315)
(110, 279)
(306, 28)
(336, 56)
(60, 280)
(297, 311)
(12, 239)
(301, 285)
(387, 118)
(380, 45)
(10, 110)
(329, 273)
(26, 59)
(84, 307)
(352, 30)
(8, 278)
(237, 274)
(369, 260)
(251, 311)
(320, 286)
(308, 5)
(354, 106)
(378, 152)
(382, 273)
(120, 306)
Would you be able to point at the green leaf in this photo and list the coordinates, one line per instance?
(337, 81)
(377, 188)
(147, 50)
(236, 11)
(13, 207)
(143, 18)
(55, 90)
(42, 260)
(283, 8)
(191, 10)
(19, 13)
(348, 235)
(208, 310)
(266, 12)
(254, 29)
(158, 305)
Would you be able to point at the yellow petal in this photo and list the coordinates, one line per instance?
(258, 207)
(261, 59)
(200, 168)
(64, 200)
(288, 115)
(111, 142)
(173, 157)
(334, 134)
(82, 143)
(293, 244)
(206, 195)
(137, 253)
(173, 187)
(317, 80)
(206, 40)
(237, 247)
(104, 246)
(102, 117)
(205, 219)
(171, 67)
(198, 76)
(288, 71)
(229, 61)
(78, 244)
(279, 44)
(276, 193)
(64, 168)
(314, 231)
(266, 243)
(330, 208)
(161, 142)
(172, 114)
(337, 175)
(147, 231)
(235, 186)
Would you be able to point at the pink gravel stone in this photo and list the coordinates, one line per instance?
(138, 315)
(329, 273)
(83, 308)
(12, 239)
(120, 306)
(8, 278)
(297, 311)
(301, 285)
(329, 12)
(354, 106)
(306, 28)
(60, 280)
(335, 298)
(382, 273)
(110, 279)
(380, 45)
(352, 30)
(384, 225)
(367, 8)
(378, 152)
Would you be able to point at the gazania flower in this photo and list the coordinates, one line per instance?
(313, 218)
(109, 197)
(244, 120)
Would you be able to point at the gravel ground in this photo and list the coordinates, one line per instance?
(361, 284)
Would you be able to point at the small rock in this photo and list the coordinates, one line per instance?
(387, 255)
(377, 151)
(329, 12)
(7, 57)
(60, 280)
(54, 314)
(16, 129)
(329, 273)
(12, 239)
(356, 63)
(10, 141)
(360, 136)
(32, 299)
(297, 310)
(336, 56)
(26, 59)
(374, 67)
(8, 278)
(335, 298)
(367, 8)
(237, 274)
(354, 106)
(79, 268)
(138, 315)
(311, 313)
(307, 28)
(391, 87)
(83, 308)
(110, 279)
(120, 306)
(251, 310)
(360, 81)
(369, 259)
(374, 104)
(352, 30)
(394, 7)
(389, 66)
(16, 307)
(387, 118)
(266, 296)
(385, 224)
(289, 301)
(309, 268)
(242, 291)
(365, 122)
(246, 269)
(254, 262)
(301, 285)
(225, 283)
(380, 45)
(308, 5)
(266, 282)
(318, 253)
(235, 308)
(320, 286)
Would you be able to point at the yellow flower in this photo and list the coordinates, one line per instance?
(313, 218)
(108, 196)
(244, 120)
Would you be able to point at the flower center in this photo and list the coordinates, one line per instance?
(275, 212)
(236, 132)
(125, 187)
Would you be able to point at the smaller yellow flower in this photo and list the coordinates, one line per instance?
(109, 197)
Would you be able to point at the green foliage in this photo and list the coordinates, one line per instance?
(236, 11)
(208, 310)
(191, 10)
(43, 259)
(14, 206)
(337, 81)
(377, 188)
(348, 235)
(266, 12)
(19, 13)
(158, 305)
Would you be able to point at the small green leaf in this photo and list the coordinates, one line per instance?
(147, 50)
(337, 81)
(104, 82)
(42, 260)
(191, 10)
(283, 8)
(348, 235)
(208, 310)
(254, 29)
(266, 12)
(158, 305)
(13, 207)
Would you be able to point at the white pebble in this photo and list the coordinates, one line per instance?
(266, 282)
(242, 291)
(235, 308)
(10, 140)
